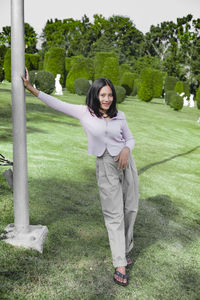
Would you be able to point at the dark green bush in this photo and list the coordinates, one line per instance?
(134, 91)
(3, 50)
(121, 93)
(168, 96)
(27, 61)
(45, 81)
(7, 65)
(34, 61)
(170, 83)
(54, 62)
(81, 68)
(32, 75)
(81, 86)
(127, 81)
(176, 102)
(145, 89)
(179, 87)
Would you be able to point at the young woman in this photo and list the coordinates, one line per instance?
(111, 141)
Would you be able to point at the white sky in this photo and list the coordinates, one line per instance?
(143, 13)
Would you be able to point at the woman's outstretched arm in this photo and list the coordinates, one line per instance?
(73, 110)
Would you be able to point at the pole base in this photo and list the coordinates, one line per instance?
(33, 239)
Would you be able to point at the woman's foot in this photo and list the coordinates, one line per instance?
(120, 276)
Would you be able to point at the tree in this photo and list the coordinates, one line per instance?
(30, 38)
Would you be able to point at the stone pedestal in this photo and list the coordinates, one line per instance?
(33, 239)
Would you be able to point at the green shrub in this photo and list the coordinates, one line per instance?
(122, 69)
(81, 68)
(45, 81)
(34, 61)
(157, 78)
(120, 92)
(104, 66)
(134, 91)
(145, 89)
(179, 87)
(170, 83)
(27, 61)
(3, 50)
(168, 96)
(7, 65)
(176, 102)
(54, 62)
(111, 69)
(32, 75)
(81, 86)
(198, 97)
(127, 81)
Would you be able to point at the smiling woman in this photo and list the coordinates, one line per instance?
(111, 141)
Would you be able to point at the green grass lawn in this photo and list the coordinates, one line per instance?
(76, 261)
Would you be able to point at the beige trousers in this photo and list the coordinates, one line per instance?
(119, 196)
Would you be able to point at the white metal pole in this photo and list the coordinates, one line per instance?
(20, 233)
(20, 181)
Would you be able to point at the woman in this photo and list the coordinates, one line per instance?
(110, 139)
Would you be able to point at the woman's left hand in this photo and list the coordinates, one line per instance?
(123, 158)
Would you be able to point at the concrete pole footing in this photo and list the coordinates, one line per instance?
(33, 239)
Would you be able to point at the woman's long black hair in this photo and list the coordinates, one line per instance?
(92, 98)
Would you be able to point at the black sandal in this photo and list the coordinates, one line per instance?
(122, 276)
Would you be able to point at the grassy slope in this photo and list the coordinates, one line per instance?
(76, 263)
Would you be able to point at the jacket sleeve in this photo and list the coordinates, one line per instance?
(72, 110)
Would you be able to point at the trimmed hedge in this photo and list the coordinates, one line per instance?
(54, 62)
(121, 93)
(186, 88)
(81, 86)
(3, 50)
(157, 81)
(45, 81)
(170, 83)
(127, 81)
(176, 102)
(106, 65)
(7, 65)
(145, 89)
(122, 69)
(81, 68)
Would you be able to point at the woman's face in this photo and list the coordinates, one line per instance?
(105, 98)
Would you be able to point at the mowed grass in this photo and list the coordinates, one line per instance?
(76, 261)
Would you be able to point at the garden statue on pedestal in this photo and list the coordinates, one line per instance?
(58, 85)
(191, 101)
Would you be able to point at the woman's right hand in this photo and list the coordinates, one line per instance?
(26, 78)
(27, 84)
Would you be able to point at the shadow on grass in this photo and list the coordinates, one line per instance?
(142, 170)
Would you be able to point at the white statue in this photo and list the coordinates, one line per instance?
(58, 85)
(185, 101)
(198, 121)
(191, 101)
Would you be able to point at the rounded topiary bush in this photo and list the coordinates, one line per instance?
(106, 65)
(81, 86)
(121, 93)
(122, 69)
(54, 62)
(7, 65)
(168, 96)
(176, 102)
(170, 83)
(34, 61)
(45, 81)
(186, 88)
(32, 75)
